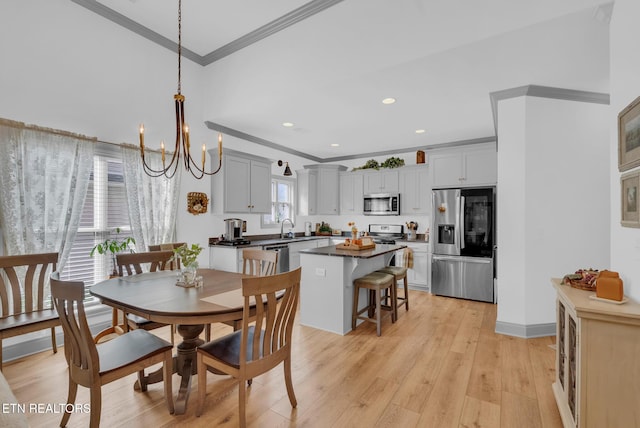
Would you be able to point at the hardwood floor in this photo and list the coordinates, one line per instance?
(439, 365)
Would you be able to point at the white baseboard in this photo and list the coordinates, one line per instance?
(526, 331)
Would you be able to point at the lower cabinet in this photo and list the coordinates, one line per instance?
(419, 276)
(597, 360)
(225, 258)
(294, 252)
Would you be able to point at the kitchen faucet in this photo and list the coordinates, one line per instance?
(282, 226)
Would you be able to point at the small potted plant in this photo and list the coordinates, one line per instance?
(114, 246)
(189, 258)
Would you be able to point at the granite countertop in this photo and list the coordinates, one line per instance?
(260, 242)
(331, 250)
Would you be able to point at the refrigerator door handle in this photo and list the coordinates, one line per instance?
(461, 222)
(480, 260)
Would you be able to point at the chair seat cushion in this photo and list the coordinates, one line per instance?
(49, 316)
(130, 347)
(227, 348)
(397, 271)
(375, 279)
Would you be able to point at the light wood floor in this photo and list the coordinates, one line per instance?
(440, 365)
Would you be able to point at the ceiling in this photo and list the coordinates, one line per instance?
(326, 65)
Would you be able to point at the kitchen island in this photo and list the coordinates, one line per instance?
(326, 287)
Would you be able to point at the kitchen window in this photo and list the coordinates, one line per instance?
(282, 202)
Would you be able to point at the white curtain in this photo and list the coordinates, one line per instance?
(43, 183)
(153, 201)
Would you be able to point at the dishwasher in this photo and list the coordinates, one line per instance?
(283, 256)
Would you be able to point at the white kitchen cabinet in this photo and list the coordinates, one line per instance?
(475, 165)
(419, 276)
(415, 190)
(351, 193)
(307, 191)
(597, 360)
(246, 183)
(225, 258)
(381, 181)
(319, 189)
(324, 242)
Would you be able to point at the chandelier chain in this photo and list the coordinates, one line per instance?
(179, 45)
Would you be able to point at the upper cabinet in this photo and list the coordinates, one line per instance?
(381, 181)
(246, 183)
(351, 193)
(475, 165)
(319, 189)
(415, 190)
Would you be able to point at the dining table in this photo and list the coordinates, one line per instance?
(157, 297)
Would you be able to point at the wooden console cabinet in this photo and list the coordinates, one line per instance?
(597, 360)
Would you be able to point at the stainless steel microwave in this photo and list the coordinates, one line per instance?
(382, 204)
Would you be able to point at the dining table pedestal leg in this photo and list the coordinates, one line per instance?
(186, 362)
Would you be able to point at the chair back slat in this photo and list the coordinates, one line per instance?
(259, 262)
(80, 350)
(132, 263)
(23, 288)
(174, 264)
(274, 318)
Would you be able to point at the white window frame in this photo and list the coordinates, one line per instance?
(275, 222)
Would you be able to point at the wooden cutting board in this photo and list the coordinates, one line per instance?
(353, 247)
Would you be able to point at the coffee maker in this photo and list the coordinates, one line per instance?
(233, 232)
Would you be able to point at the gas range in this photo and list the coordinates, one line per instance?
(234, 242)
(386, 233)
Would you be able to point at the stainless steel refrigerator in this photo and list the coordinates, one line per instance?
(462, 263)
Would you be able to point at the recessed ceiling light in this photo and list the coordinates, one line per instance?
(420, 131)
(287, 124)
(335, 145)
(388, 101)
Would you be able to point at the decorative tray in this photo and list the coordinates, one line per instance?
(355, 247)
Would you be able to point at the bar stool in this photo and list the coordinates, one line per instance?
(375, 282)
(399, 273)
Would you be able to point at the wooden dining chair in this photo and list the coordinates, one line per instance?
(137, 263)
(257, 263)
(92, 365)
(131, 264)
(174, 264)
(24, 300)
(263, 342)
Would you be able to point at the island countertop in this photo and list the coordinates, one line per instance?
(331, 250)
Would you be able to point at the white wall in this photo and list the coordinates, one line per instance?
(553, 201)
(625, 87)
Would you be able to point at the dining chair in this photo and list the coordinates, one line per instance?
(24, 299)
(263, 342)
(92, 365)
(137, 263)
(257, 263)
(131, 264)
(175, 263)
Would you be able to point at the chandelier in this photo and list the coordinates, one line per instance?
(183, 145)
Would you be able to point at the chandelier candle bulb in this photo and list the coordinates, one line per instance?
(220, 146)
(204, 151)
(162, 149)
(142, 139)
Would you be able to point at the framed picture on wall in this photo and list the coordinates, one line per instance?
(629, 136)
(629, 198)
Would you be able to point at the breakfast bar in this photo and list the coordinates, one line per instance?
(326, 288)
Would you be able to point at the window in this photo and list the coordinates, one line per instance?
(282, 206)
(105, 209)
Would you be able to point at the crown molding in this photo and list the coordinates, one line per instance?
(303, 12)
(266, 143)
(544, 92)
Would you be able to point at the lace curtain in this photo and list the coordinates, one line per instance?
(43, 183)
(153, 201)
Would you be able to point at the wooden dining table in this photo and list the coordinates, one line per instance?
(156, 297)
